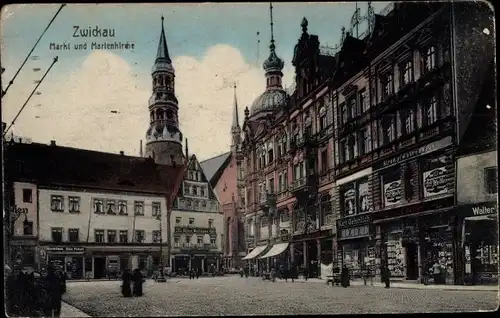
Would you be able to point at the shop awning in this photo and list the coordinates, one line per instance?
(255, 252)
(276, 250)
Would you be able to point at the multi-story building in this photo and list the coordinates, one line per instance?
(89, 211)
(368, 140)
(196, 222)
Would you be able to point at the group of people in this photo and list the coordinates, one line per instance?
(34, 295)
(136, 279)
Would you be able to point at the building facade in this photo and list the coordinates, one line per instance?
(107, 215)
(197, 223)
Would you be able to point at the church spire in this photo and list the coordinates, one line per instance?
(236, 122)
(162, 61)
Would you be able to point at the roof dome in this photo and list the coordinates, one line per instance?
(273, 62)
(271, 99)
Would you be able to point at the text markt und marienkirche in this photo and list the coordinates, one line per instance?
(92, 32)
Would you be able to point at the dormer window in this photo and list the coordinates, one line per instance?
(406, 73)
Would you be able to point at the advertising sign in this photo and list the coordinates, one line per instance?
(393, 193)
(350, 202)
(363, 195)
(65, 249)
(435, 182)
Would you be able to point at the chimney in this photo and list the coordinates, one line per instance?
(53, 143)
(187, 150)
(140, 150)
(122, 153)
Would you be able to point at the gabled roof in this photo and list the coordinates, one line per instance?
(65, 166)
(213, 165)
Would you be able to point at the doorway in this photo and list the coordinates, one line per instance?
(411, 261)
(99, 267)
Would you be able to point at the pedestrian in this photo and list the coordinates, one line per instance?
(198, 273)
(138, 280)
(344, 276)
(305, 272)
(54, 287)
(386, 275)
(436, 271)
(126, 279)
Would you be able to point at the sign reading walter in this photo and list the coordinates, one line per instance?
(392, 192)
(435, 182)
(479, 209)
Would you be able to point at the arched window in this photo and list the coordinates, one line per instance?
(160, 80)
(170, 114)
(159, 114)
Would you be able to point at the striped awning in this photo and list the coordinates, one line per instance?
(276, 250)
(255, 252)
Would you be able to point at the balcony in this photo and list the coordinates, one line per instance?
(304, 186)
(196, 247)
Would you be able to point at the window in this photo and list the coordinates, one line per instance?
(388, 129)
(387, 84)
(210, 223)
(156, 236)
(213, 241)
(74, 235)
(298, 172)
(352, 110)
(176, 241)
(27, 195)
(156, 209)
(364, 142)
(111, 207)
(28, 228)
(406, 73)
(139, 207)
(284, 217)
(187, 240)
(123, 236)
(99, 236)
(177, 220)
(408, 121)
(111, 236)
(429, 59)
(324, 160)
(139, 236)
(199, 240)
(270, 155)
(74, 204)
(430, 116)
(343, 112)
(122, 207)
(363, 102)
(491, 177)
(271, 185)
(344, 151)
(202, 191)
(57, 234)
(98, 206)
(191, 221)
(56, 203)
(352, 147)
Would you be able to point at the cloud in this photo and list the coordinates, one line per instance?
(76, 108)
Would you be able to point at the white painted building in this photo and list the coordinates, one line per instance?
(197, 223)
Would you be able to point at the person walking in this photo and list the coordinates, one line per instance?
(305, 272)
(386, 275)
(54, 287)
(138, 280)
(436, 272)
(126, 280)
(344, 276)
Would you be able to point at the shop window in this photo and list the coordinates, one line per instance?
(74, 235)
(99, 236)
(348, 199)
(491, 179)
(123, 236)
(27, 195)
(57, 234)
(74, 204)
(56, 203)
(111, 236)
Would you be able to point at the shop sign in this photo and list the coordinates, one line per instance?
(393, 193)
(193, 230)
(355, 232)
(65, 249)
(435, 182)
(425, 149)
(478, 209)
(354, 221)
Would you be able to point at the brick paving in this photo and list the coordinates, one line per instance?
(253, 296)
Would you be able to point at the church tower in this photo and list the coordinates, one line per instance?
(163, 137)
(235, 127)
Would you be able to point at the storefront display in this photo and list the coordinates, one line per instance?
(393, 189)
(395, 255)
(434, 176)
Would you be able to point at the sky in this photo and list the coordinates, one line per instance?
(98, 99)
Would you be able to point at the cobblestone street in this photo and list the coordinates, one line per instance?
(243, 296)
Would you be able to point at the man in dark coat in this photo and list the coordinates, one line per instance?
(386, 275)
(126, 279)
(138, 281)
(344, 276)
(54, 287)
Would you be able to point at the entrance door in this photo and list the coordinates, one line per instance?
(411, 261)
(99, 267)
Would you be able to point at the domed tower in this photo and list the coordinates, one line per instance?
(163, 138)
(274, 96)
